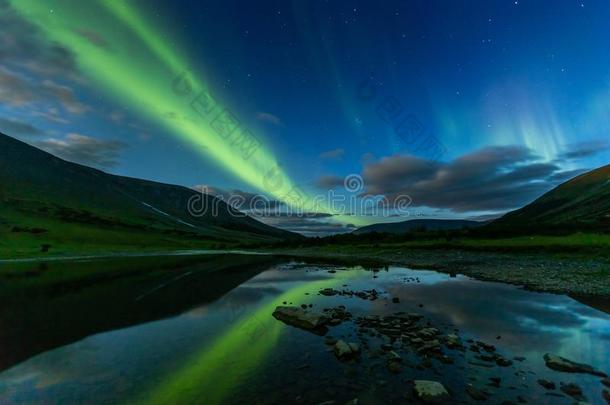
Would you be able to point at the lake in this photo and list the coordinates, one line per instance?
(200, 329)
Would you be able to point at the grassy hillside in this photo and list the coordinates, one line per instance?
(48, 205)
(582, 203)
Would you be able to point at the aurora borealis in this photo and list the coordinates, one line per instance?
(281, 81)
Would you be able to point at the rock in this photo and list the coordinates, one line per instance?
(495, 381)
(549, 385)
(353, 402)
(428, 333)
(487, 347)
(502, 362)
(300, 318)
(453, 341)
(430, 391)
(571, 389)
(345, 350)
(475, 393)
(431, 346)
(329, 292)
(480, 364)
(559, 363)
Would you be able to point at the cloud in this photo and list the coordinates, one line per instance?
(335, 154)
(329, 182)
(269, 118)
(241, 200)
(18, 91)
(586, 149)
(23, 47)
(490, 179)
(16, 128)
(35, 70)
(308, 226)
(84, 149)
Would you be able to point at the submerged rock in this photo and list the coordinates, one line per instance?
(300, 318)
(345, 350)
(475, 393)
(329, 292)
(559, 363)
(572, 390)
(549, 385)
(430, 391)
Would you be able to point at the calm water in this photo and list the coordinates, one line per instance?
(200, 330)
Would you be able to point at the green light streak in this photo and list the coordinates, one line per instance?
(136, 67)
(207, 377)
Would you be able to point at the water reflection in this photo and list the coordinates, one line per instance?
(225, 346)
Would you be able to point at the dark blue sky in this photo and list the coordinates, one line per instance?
(528, 78)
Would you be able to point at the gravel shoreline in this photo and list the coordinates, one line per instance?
(572, 275)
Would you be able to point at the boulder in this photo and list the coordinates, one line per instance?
(300, 318)
(559, 363)
(430, 391)
(549, 385)
(345, 350)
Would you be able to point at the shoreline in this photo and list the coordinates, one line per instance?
(569, 275)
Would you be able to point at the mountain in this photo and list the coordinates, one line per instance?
(580, 203)
(417, 224)
(45, 200)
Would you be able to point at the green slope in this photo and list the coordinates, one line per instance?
(46, 200)
(581, 203)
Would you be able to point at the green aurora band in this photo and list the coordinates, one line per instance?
(212, 373)
(132, 62)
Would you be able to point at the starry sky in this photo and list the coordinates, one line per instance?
(467, 108)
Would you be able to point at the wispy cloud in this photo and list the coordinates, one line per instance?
(18, 128)
(84, 149)
(17, 90)
(335, 154)
(269, 118)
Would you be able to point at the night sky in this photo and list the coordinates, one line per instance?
(470, 108)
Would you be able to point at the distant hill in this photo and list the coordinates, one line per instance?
(581, 203)
(418, 224)
(47, 200)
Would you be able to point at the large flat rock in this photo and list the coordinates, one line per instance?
(300, 318)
